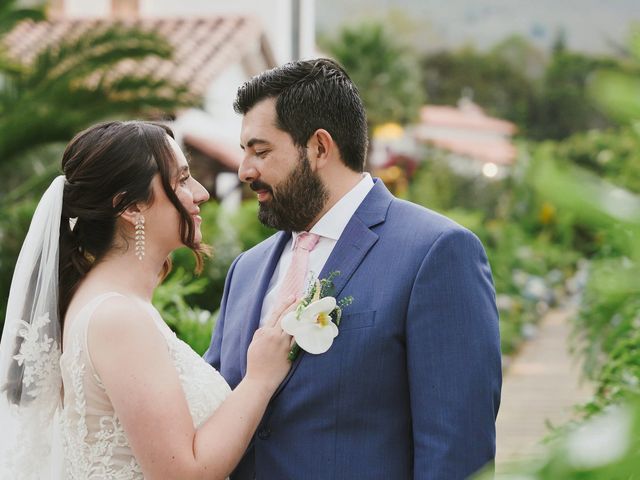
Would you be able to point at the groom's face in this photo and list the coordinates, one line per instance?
(291, 195)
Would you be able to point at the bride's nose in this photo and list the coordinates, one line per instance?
(200, 194)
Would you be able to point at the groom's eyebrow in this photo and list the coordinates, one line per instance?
(254, 141)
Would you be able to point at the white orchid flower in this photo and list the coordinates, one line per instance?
(312, 328)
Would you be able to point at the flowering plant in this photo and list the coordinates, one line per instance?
(314, 323)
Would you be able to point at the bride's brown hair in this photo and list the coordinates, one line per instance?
(109, 167)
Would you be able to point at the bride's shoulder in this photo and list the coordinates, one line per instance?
(121, 324)
(120, 314)
(124, 340)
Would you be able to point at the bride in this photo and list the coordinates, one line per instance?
(94, 383)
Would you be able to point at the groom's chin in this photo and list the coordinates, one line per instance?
(266, 216)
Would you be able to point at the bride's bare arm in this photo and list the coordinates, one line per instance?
(130, 355)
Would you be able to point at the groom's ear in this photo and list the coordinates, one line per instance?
(320, 148)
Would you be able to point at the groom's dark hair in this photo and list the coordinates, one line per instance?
(313, 94)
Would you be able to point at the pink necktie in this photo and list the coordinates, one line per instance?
(293, 283)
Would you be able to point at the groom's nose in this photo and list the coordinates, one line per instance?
(247, 171)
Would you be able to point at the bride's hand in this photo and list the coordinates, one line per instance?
(267, 357)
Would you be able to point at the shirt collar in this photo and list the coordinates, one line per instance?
(333, 223)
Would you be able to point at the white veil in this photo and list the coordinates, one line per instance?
(30, 378)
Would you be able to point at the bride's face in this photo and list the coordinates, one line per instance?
(163, 220)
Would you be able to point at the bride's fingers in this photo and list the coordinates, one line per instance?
(285, 307)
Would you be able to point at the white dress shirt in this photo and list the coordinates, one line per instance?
(328, 228)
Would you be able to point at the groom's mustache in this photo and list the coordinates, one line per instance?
(257, 185)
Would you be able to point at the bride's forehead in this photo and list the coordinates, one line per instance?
(178, 155)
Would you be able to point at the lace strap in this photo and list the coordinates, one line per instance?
(83, 317)
(159, 321)
(85, 313)
(79, 328)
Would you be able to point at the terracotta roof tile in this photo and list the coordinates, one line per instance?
(203, 47)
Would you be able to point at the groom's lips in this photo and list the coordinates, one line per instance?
(263, 195)
(262, 190)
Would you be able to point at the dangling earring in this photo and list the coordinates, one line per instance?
(140, 237)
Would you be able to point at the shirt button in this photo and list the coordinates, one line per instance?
(264, 433)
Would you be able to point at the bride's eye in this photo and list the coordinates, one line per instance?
(184, 179)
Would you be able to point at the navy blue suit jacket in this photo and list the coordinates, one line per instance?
(410, 388)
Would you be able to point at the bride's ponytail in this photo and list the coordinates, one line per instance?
(73, 264)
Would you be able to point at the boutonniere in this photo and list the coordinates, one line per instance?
(315, 321)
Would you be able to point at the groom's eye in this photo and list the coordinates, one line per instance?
(262, 153)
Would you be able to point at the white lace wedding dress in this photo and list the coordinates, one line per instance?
(94, 442)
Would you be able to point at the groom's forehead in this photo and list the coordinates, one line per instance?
(259, 126)
(264, 111)
(260, 117)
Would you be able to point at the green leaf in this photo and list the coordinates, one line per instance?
(618, 93)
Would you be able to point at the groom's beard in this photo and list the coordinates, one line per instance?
(296, 201)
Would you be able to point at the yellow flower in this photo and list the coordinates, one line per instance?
(547, 213)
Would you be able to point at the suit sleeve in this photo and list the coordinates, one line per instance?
(212, 355)
(453, 359)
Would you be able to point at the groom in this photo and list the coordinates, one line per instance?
(410, 387)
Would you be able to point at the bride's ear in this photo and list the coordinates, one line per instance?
(131, 213)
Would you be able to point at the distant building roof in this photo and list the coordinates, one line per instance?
(203, 46)
(467, 116)
(468, 131)
(500, 153)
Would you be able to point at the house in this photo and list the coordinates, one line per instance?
(474, 141)
(217, 47)
(288, 25)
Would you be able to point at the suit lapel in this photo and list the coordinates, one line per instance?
(358, 238)
(352, 247)
(259, 290)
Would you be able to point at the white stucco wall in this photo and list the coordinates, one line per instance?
(218, 120)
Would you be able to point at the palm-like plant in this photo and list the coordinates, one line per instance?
(73, 84)
(10, 15)
(66, 88)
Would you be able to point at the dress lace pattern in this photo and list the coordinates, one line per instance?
(94, 441)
